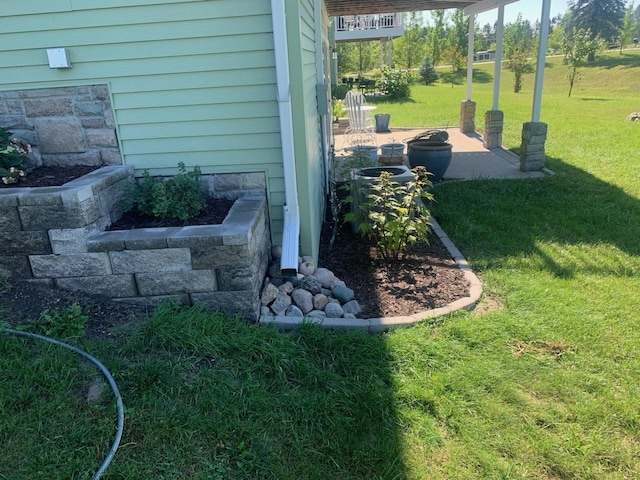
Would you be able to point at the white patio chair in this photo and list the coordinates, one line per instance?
(361, 129)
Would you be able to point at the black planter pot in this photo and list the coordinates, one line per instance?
(435, 157)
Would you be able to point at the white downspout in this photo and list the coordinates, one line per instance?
(291, 227)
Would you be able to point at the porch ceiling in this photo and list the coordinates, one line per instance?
(363, 7)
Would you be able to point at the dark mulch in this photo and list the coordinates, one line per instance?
(214, 213)
(51, 176)
(427, 278)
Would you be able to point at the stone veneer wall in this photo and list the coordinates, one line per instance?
(65, 125)
(56, 235)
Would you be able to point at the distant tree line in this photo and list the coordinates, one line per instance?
(440, 37)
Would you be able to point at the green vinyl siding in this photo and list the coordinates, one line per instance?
(190, 81)
(307, 134)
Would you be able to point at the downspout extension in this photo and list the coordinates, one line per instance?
(291, 209)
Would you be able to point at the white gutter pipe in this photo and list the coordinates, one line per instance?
(291, 227)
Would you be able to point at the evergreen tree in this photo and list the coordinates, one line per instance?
(428, 71)
(603, 18)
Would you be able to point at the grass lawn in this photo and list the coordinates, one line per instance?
(543, 385)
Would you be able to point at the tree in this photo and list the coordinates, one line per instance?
(518, 45)
(603, 18)
(629, 27)
(428, 71)
(459, 31)
(436, 42)
(358, 57)
(576, 48)
(487, 37)
(408, 50)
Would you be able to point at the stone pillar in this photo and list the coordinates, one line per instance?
(493, 122)
(467, 116)
(534, 136)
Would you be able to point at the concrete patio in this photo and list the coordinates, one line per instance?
(470, 159)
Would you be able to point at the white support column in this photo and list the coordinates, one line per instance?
(470, 54)
(498, 64)
(542, 54)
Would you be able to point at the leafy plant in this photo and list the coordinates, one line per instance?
(61, 323)
(177, 197)
(391, 214)
(337, 109)
(395, 83)
(11, 162)
(338, 92)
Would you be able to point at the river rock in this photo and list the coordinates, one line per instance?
(342, 293)
(269, 294)
(325, 277)
(265, 311)
(306, 268)
(320, 301)
(281, 303)
(303, 299)
(310, 284)
(306, 258)
(286, 287)
(352, 307)
(294, 311)
(316, 315)
(333, 310)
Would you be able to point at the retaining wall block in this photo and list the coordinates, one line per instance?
(25, 242)
(70, 265)
(108, 285)
(179, 299)
(194, 281)
(10, 219)
(160, 260)
(149, 238)
(221, 256)
(15, 267)
(245, 303)
(107, 241)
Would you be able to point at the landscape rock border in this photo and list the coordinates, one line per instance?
(288, 322)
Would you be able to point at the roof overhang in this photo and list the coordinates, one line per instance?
(364, 7)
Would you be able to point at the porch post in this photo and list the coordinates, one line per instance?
(534, 133)
(468, 107)
(494, 118)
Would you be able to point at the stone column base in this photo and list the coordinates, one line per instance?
(532, 156)
(467, 116)
(493, 123)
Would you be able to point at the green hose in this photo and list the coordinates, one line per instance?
(112, 383)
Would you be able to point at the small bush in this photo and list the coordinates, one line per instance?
(395, 83)
(68, 322)
(339, 91)
(11, 162)
(428, 72)
(177, 197)
(393, 215)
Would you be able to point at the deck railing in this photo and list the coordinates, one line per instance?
(350, 23)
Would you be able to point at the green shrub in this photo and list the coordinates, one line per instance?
(395, 83)
(61, 323)
(11, 161)
(428, 72)
(391, 214)
(177, 197)
(339, 91)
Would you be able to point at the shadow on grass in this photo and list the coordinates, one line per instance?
(624, 60)
(552, 219)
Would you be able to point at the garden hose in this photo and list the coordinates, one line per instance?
(112, 383)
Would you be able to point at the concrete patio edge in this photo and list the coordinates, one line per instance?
(389, 323)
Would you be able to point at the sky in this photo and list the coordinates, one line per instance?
(530, 10)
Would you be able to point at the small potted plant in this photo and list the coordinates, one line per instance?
(391, 153)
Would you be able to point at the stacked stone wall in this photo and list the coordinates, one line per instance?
(56, 236)
(64, 126)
